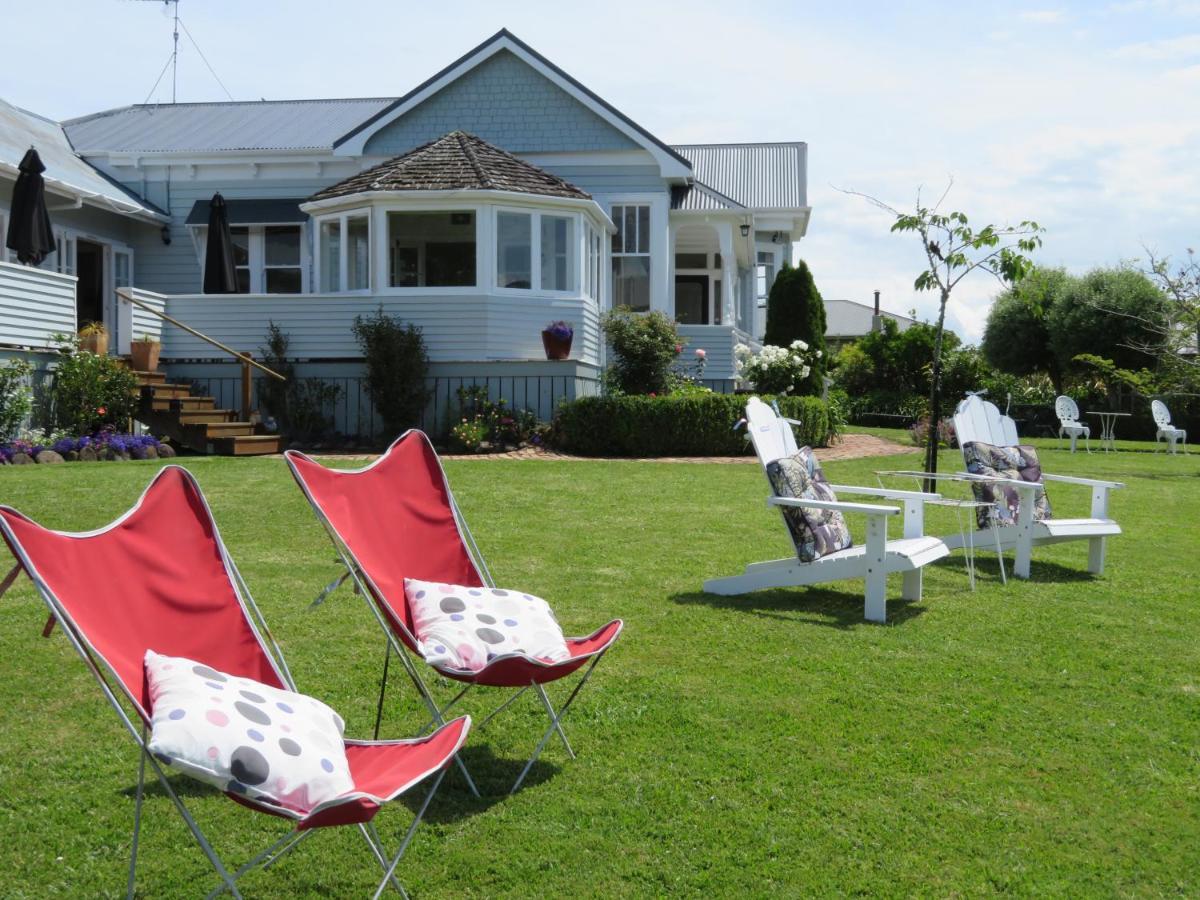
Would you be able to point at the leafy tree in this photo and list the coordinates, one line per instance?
(1017, 336)
(1180, 331)
(16, 399)
(1116, 314)
(397, 364)
(795, 311)
(953, 250)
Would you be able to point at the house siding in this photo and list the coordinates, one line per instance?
(34, 305)
(506, 102)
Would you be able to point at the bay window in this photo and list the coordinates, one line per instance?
(433, 248)
(537, 251)
(631, 257)
(559, 252)
(514, 250)
(344, 256)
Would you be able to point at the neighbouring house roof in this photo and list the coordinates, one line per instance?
(66, 173)
(849, 318)
(457, 161)
(252, 212)
(757, 176)
(214, 127)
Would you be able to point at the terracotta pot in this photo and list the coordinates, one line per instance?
(556, 347)
(143, 355)
(94, 343)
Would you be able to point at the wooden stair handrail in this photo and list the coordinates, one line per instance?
(242, 357)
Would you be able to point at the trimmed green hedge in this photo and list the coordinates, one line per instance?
(695, 425)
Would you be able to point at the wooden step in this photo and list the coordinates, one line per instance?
(206, 416)
(213, 430)
(167, 391)
(145, 378)
(183, 404)
(248, 445)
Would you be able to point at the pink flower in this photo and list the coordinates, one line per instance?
(652, 394)
(679, 348)
(700, 353)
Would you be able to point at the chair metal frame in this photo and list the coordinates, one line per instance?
(403, 649)
(1067, 411)
(102, 671)
(1166, 431)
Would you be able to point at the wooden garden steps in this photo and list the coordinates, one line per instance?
(196, 422)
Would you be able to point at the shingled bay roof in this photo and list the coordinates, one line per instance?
(455, 162)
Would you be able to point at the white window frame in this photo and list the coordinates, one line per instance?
(714, 273)
(775, 252)
(256, 247)
(575, 289)
(637, 203)
(342, 218)
(383, 243)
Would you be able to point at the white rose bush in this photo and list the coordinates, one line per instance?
(775, 370)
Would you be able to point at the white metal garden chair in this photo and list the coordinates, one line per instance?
(1166, 431)
(873, 561)
(1068, 423)
(976, 419)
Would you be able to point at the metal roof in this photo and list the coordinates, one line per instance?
(252, 212)
(212, 127)
(758, 176)
(697, 196)
(65, 172)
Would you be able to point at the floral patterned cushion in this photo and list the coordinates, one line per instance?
(815, 532)
(1018, 463)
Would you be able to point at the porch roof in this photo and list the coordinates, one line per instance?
(455, 162)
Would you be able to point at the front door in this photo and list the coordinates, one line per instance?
(89, 292)
(691, 299)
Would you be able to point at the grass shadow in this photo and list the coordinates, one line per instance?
(988, 572)
(182, 785)
(804, 605)
(492, 774)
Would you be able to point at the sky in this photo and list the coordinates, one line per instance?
(1084, 117)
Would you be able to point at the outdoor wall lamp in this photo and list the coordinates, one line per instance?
(745, 230)
(166, 235)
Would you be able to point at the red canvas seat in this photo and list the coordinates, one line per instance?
(170, 586)
(395, 519)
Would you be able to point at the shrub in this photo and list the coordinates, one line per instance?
(683, 425)
(91, 391)
(298, 405)
(644, 347)
(919, 432)
(397, 364)
(796, 312)
(778, 370)
(16, 398)
(486, 421)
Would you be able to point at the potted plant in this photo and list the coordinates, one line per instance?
(143, 354)
(556, 338)
(93, 337)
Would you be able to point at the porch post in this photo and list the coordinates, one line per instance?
(728, 272)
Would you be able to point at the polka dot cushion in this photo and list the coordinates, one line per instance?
(466, 627)
(271, 745)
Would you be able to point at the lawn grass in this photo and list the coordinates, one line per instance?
(1039, 738)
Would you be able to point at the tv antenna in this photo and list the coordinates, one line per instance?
(171, 8)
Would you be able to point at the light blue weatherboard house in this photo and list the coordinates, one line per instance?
(493, 198)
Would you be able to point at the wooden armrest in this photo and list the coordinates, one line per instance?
(868, 508)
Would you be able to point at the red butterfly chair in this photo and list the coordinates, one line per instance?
(171, 586)
(396, 518)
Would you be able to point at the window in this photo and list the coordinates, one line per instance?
(514, 250)
(345, 247)
(631, 257)
(331, 255)
(559, 252)
(282, 259)
(691, 260)
(431, 249)
(592, 260)
(764, 276)
(241, 257)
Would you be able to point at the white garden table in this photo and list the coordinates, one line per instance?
(1108, 426)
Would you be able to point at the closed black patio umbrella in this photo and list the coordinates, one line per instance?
(29, 232)
(220, 276)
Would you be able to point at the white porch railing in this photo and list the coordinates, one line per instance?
(34, 306)
(718, 342)
(455, 327)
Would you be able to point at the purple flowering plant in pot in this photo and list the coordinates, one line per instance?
(556, 338)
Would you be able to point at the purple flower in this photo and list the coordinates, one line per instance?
(560, 330)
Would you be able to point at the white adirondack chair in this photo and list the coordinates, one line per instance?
(976, 419)
(1068, 423)
(873, 561)
(1166, 431)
